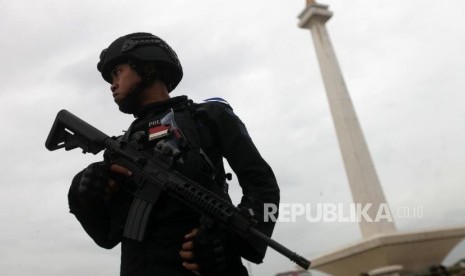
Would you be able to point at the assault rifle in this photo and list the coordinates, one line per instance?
(153, 177)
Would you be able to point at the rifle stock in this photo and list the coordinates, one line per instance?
(70, 132)
(152, 177)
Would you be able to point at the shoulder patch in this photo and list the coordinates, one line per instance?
(216, 99)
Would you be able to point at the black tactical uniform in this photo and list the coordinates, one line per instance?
(205, 133)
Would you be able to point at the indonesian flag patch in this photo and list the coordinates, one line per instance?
(158, 132)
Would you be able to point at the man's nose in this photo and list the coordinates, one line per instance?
(113, 87)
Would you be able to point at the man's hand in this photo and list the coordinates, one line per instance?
(208, 251)
(96, 180)
(112, 185)
(187, 254)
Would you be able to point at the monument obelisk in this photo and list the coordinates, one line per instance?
(363, 180)
(383, 250)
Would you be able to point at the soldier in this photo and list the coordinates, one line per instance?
(142, 70)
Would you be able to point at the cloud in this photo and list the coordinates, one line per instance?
(402, 62)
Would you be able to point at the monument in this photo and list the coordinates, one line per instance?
(383, 250)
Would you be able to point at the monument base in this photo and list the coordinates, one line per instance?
(411, 250)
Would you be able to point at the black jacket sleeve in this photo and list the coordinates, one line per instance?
(101, 219)
(255, 176)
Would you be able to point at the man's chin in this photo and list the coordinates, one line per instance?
(127, 107)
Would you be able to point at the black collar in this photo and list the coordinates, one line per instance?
(161, 107)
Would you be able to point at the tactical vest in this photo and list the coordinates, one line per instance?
(187, 127)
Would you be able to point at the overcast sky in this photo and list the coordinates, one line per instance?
(403, 63)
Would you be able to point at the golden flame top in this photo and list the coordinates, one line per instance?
(310, 2)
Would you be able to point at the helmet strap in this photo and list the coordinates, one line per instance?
(130, 104)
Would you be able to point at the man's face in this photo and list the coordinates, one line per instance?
(124, 79)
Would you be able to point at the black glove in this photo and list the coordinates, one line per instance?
(94, 180)
(214, 252)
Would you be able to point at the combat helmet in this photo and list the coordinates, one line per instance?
(142, 48)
